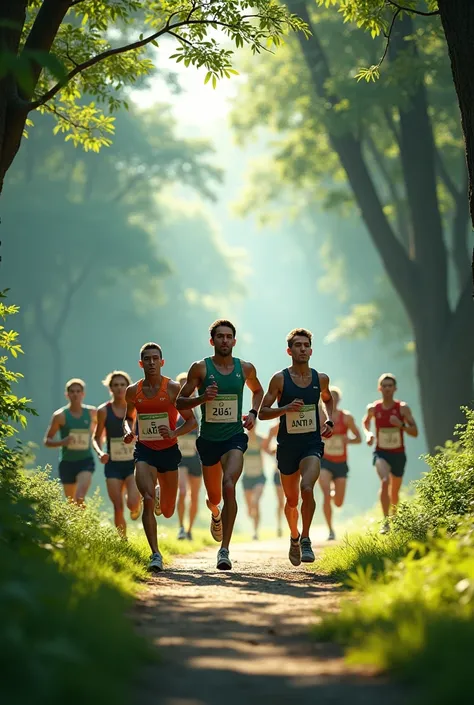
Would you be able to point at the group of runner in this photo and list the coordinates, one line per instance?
(146, 436)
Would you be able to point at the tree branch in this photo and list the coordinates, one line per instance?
(401, 8)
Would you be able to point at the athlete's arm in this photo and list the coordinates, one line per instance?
(57, 420)
(190, 422)
(366, 421)
(328, 402)
(273, 432)
(275, 389)
(409, 423)
(130, 415)
(194, 379)
(99, 432)
(352, 427)
(252, 382)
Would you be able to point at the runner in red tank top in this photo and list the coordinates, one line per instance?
(334, 467)
(157, 454)
(392, 420)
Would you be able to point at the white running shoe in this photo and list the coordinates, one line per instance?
(223, 560)
(156, 563)
(157, 501)
(181, 534)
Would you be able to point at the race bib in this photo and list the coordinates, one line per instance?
(334, 445)
(389, 438)
(302, 421)
(222, 409)
(80, 439)
(148, 426)
(187, 445)
(121, 452)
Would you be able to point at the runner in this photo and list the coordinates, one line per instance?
(222, 442)
(118, 458)
(189, 477)
(74, 423)
(334, 468)
(392, 419)
(298, 390)
(254, 479)
(269, 447)
(156, 454)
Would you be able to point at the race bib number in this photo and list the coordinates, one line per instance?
(334, 445)
(389, 438)
(222, 409)
(121, 452)
(148, 426)
(80, 439)
(302, 421)
(187, 446)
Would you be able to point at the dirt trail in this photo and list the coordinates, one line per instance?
(242, 637)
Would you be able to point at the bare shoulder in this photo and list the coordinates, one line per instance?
(198, 369)
(102, 408)
(173, 388)
(323, 380)
(277, 380)
(131, 391)
(248, 368)
(59, 415)
(404, 408)
(347, 415)
(371, 407)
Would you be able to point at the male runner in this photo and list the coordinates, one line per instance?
(118, 458)
(189, 477)
(392, 419)
(254, 479)
(269, 447)
(298, 390)
(334, 469)
(156, 454)
(222, 442)
(74, 423)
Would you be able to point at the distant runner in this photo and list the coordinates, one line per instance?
(269, 446)
(334, 469)
(189, 477)
(392, 419)
(222, 441)
(157, 454)
(74, 423)
(254, 479)
(118, 456)
(298, 390)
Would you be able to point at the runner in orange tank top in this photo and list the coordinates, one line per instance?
(392, 419)
(334, 469)
(151, 403)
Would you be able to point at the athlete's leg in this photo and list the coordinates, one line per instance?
(70, 491)
(182, 492)
(133, 495)
(232, 466)
(291, 489)
(310, 469)
(325, 480)
(195, 483)
(168, 492)
(248, 494)
(212, 475)
(145, 476)
(84, 480)
(257, 496)
(115, 492)
(395, 484)
(280, 506)
(340, 490)
(383, 471)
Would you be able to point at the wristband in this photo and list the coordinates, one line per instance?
(254, 412)
(330, 423)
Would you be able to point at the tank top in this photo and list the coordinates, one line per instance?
(118, 451)
(335, 447)
(300, 426)
(79, 429)
(155, 412)
(389, 438)
(253, 466)
(222, 417)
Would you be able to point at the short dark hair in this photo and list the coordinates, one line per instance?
(107, 382)
(150, 346)
(290, 338)
(387, 375)
(221, 322)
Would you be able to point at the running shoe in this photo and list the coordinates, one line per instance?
(223, 560)
(216, 527)
(156, 563)
(189, 536)
(331, 535)
(181, 534)
(307, 555)
(294, 553)
(157, 501)
(135, 513)
(385, 528)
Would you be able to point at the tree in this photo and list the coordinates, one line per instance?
(55, 53)
(380, 149)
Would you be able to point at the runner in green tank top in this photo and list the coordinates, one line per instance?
(222, 441)
(74, 424)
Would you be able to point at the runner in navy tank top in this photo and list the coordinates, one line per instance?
(298, 390)
(392, 419)
(118, 457)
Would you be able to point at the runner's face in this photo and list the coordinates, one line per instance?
(301, 350)
(75, 394)
(387, 387)
(151, 362)
(223, 340)
(118, 387)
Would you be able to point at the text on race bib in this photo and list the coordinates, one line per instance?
(302, 421)
(222, 409)
(335, 445)
(389, 438)
(187, 445)
(80, 439)
(148, 426)
(121, 452)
